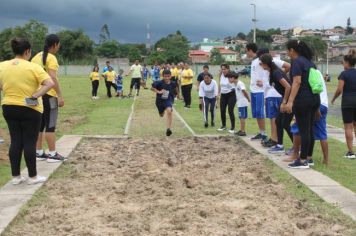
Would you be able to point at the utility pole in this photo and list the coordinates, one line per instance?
(148, 37)
(254, 20)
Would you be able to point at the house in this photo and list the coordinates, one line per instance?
(342, 49)
(228, 55)
(199, 56)
(279, 39)
(297, 31)
(207, 45)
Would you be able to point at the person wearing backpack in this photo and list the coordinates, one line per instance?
(303, 102)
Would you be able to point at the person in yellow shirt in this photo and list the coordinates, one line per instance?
(51, 101)
(187, 85)
(23, 84)
(136, 77)
(95, 77)
(175, 77)
(110, 77)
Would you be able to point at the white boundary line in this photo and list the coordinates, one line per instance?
(129, 120)
(183, 121)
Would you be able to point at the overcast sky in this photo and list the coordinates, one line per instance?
(196, 19)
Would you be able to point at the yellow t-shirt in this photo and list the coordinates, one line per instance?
(51, 64)
(110, 76)
(187, 77)
(175, 72)
(161, 73)
(94, 76)
(20, 79)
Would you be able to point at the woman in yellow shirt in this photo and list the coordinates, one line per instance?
(23, 84)
(110, 77)
(95, 77)
(187, 85)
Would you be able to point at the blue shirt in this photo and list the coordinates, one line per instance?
(159, 85)
(145, 72)
(300, 67)
(156, 71)
(119, 80)
(105, 69)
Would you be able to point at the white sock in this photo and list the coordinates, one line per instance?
(52, 153)
(280, 145)
(39, 152)
(262, 132)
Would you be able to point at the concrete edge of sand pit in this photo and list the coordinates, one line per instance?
(12, 198)
(326, 188)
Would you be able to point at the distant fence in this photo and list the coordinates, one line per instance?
(85, 70)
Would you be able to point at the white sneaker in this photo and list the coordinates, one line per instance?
(37, 180)
(222, 129)
(18, 180)
(231, 131)
(93, 98)
(1, 140)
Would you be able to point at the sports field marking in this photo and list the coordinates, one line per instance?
(185, 123)
(129, 120)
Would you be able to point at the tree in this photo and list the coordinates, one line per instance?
(35, 32)
(5, 48)
(108, 49)
(175, 47)
(216, 57)
(134, 54)
(75, 45)
(156, 57)
(349, 29)
(104, 34)
(241, 36)
(317, 45)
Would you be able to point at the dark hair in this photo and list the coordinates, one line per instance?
(20, 45)
(50, 41)
(351, 57)
(107, 62)
(207, 74)
(268, 60)
(301, 48)
(262, 51)
(252, 46)
(206, 66)
(95, 67)
(225, 65)
(166, 72)
(232, 75)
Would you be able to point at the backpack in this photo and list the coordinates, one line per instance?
(315, 80)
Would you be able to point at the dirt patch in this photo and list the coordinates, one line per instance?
(187, 186)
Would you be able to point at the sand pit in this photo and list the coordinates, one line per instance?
(187, 186)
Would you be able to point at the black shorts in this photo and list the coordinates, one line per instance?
(348, 115)
(136, 81)
(50, 114)
(163, 105)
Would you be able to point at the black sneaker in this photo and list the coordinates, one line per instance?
(42, 157)
(169, 132)
(350, 155)
(223, 128)
(257, 137)
(212, 124)
(241, 133)
(206, 125)
(299, 164)
(56, 158)
(188, 106)
(269, 143)
(310, 162)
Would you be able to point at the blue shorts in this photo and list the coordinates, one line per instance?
(119, 88)
(273, 105)
(162, 105)
(257, 105)
(320, 132)
(242, 112)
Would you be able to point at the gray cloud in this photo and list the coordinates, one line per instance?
(127, 19)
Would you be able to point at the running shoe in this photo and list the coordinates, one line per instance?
(18, 180)
(299, 164)
(258, 137)
(241, 133)
(38, 179)
(231, 131)
(276, 150)
(311, 162)
(169, 132)
(289, 152)
(56, 158)
(42, 157)
(206, 125)
(350, 155)
(269, 143)
(222, 128)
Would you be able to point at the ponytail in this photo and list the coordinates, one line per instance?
(268, 60)
(51, 40)
(301, 48)
(351, 57)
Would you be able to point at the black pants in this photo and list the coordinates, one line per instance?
(24, 125)
(228, 100)
(109, 84)
(95, 85)
(304, 111)
(136, 81)
(209, 104)
(187, 94)
(283, 122)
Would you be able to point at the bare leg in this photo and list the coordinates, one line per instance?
(296, 148)
(169, 117)
(349, 135)
(261, 124)
(325, 148)
(242, 125)
(51, 141)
